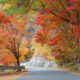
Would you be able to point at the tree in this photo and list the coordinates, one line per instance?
(13, 31)
(64, 16)
(16, 7)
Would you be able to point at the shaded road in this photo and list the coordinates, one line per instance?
(48, 75)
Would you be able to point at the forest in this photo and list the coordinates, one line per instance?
(51, 27)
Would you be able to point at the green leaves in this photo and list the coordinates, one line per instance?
(5, 1)
(77, 50)
(12, 10)
(16, 6)
(15, 10)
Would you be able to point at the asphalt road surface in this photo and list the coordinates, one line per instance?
(48, 75)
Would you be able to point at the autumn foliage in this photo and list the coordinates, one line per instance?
(63, 19)
(59, 29)
(11, 31)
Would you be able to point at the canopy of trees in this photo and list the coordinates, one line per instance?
(59, 27)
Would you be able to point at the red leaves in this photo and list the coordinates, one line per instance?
(69, 8)
(43, 36)
(77, 30)
(38, 20)
(44, 20)
(73, 1)
(55, 40)
(64, 10)
(73, 19)
(56, 55)
(76, 33)
(2, 15)
(5, 19)
(48, 10)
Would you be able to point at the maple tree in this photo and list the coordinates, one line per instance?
(64, 16)
(13, 26)
(59, 23)
(11, 36)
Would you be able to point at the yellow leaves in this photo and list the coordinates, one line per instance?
(43, 50)
(31, 12)
(51, 58)
(24, 51)
(22, 58)
(7, 6)
(13, 2)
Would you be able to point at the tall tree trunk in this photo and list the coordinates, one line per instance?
(18, 63)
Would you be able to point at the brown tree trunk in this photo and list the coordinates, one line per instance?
(18, 63)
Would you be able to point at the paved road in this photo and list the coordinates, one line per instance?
(48, 75)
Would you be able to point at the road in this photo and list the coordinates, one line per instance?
(48, 75)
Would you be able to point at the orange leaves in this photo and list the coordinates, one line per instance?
(11, 34)
(9, 59)
(63, 9)
(6, 20)
(12, 18)
(48, 21)
(20, 26)
(19, 23)
(44, 36)
(41, 35)
(50, 1)
(62, 15)
(3, 34)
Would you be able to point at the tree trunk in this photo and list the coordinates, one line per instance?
(18, 63)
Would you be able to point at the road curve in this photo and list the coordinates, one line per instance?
(48, 75)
